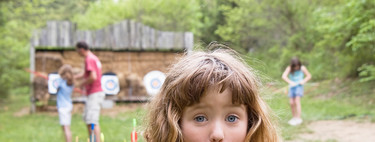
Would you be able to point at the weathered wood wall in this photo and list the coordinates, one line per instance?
(123, 35)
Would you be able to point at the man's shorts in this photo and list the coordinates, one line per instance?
(65, 115)
(92, 108)
(295, 91)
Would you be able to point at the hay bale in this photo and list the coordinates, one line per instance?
(48, 62)
(122, 80)
(122, 94)
(40, 85)
(135, 85)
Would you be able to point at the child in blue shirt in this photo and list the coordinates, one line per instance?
(294, 76)
(64, 101)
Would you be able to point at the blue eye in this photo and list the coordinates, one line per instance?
(231, 118)
(200, 119)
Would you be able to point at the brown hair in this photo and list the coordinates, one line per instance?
(83, 45)
(186, 83)
(66, 69)
(295, 62)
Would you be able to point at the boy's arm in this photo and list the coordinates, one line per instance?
(307, 73)
(79, 76)
(285, 76)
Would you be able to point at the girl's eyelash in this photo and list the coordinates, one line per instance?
(231, 118)
(200, 118)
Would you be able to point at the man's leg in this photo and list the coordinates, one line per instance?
(96, 132)
(93, 105)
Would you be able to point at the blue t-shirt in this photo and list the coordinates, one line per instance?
(63, 94)
(296, 76)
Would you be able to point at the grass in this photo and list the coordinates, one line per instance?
(42, 127)
(331, 100)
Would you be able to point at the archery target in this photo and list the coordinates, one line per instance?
(53, 82)
(153, 82)
(110, 84)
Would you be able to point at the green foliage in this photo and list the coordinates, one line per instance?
(332, 38)
(169, 15)
(18, 19)
(367, 72)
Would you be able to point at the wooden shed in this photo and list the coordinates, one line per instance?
(128, 48)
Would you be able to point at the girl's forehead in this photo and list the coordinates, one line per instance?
(213, 96)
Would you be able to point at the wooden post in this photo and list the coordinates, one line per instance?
(32, 67)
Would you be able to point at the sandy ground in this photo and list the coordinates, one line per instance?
(338, 130)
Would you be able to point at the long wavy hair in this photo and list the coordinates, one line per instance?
(185, 84)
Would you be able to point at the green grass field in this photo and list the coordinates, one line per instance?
(347, 99)
(44, 127)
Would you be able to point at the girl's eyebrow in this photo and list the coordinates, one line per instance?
(199, 106)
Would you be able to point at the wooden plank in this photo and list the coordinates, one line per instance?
(72, 29)
(152, 38)
(52, 33)
(99, 39)
(164, 40)
(79, 36)
(108, 37)
(138, 40)
(116, 36)
(146, 42)
(65, 33)
(43, 38)
(189, 41)
(86, 36)
(125, 34)
(135, 29)
(178, 40)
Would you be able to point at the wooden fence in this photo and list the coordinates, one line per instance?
(120, 36)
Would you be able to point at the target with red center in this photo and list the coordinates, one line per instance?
(153, 82)
(110, 84)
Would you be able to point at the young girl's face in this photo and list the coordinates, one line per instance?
(215, 118)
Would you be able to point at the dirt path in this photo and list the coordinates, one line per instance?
(338, 130)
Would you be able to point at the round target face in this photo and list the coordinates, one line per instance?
(53, 82)
(153, 82)
(110, 84)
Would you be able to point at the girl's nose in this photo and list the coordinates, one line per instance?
(217, 132)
